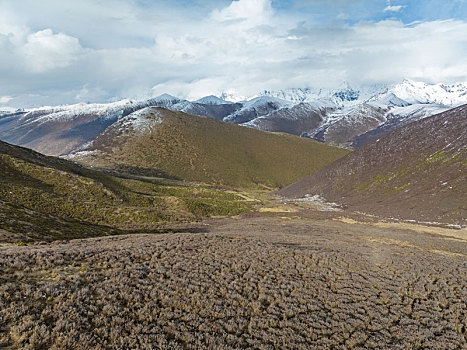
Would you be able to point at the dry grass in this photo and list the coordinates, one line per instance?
(260, 283)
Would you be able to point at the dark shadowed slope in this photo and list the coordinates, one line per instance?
(189, 147)
(415, 172)
(57, 130)
(301, 120)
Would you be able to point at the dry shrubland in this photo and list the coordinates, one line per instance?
(255, 283)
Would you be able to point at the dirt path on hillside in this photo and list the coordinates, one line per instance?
(265, 281)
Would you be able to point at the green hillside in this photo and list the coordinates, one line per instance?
(49, 198)
(202, 149)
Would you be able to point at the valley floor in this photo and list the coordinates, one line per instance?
(265, 280)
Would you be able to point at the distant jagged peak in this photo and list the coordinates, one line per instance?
(258, 106)
(233, 96)
(166, 97)
(418, 92)
(345, 85)
(343, 95)
(291, 94)
(388, 99)
(262, 100)
(346, 94)
(212, 100)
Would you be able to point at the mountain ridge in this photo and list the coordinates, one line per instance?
(332, 116)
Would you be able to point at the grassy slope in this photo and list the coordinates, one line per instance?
(48, 198)
(203, 149)
(415, 172)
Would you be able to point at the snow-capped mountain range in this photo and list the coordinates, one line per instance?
(351, 117)
(346, 116)
(412, 92)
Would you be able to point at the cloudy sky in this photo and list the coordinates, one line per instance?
(71, 51)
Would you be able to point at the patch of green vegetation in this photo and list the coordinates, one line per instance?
(401, 172)
(443, 159)
(402, 178)
(380, 178)
(453, 158)
(399, 188)
(361, 187)
(435, 157)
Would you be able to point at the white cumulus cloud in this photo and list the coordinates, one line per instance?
(5, 99)
(252, 11)
(393, 8)
(45, 50)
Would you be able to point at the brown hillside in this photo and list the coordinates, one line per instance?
(415, 172)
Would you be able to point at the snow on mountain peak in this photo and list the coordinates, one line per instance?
(68, 112)
(388, 99)
(141, 120)
(212, 100)
(258, 106)
(406, 92)
(296, 95)
(166, 97)
(343, 96)
(232, 96)
(419, 92)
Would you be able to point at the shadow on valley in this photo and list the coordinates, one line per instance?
(140, 172)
